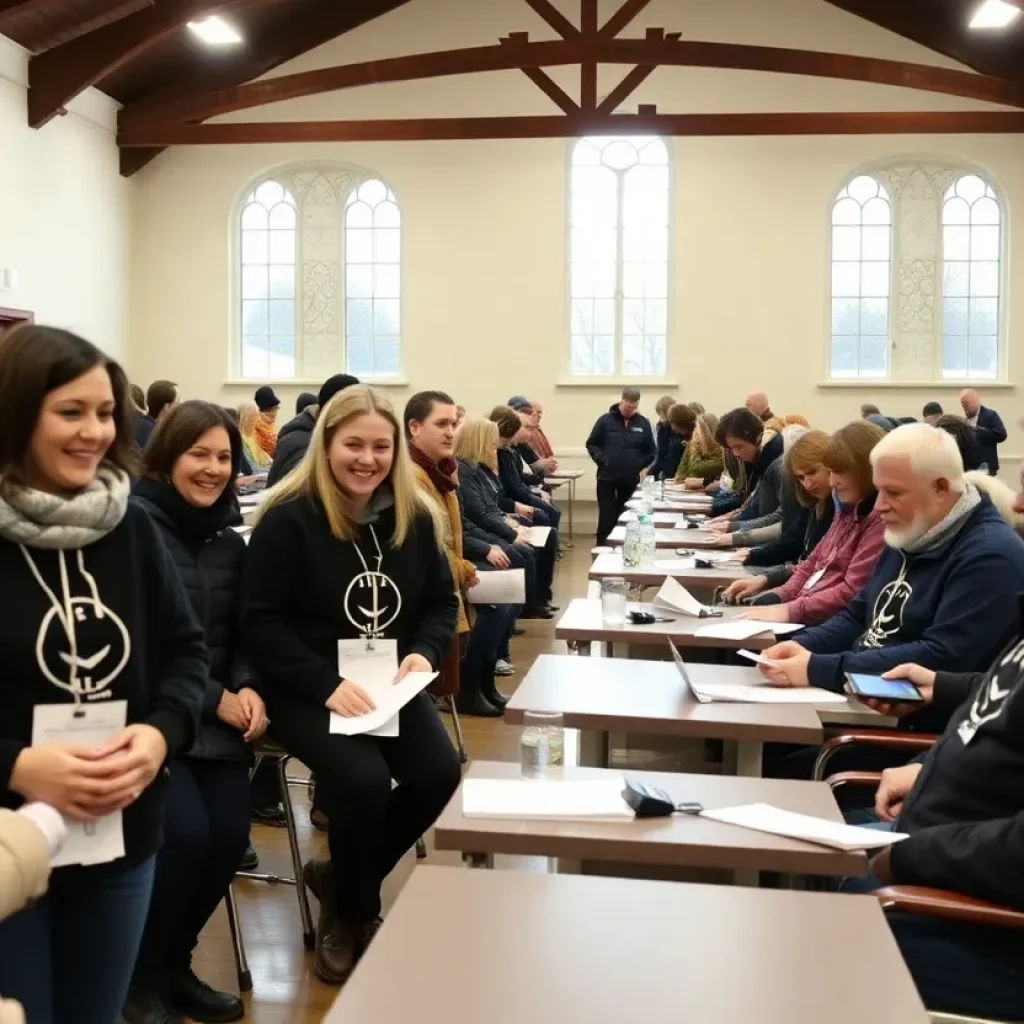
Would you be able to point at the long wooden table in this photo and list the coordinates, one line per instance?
(600, 696)
(679, 841)
(608, 950)
(666, 537)
(610, 564)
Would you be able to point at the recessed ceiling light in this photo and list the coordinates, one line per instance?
(215, 31)
(995, 14)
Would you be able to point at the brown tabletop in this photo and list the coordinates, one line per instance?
(665, 537)
(720, 576)
(616, 695)
(568, 946)
(582, 622)
(680, 841)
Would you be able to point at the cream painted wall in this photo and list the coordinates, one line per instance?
(63, 211)
(484, 306)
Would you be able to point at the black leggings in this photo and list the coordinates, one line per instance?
(372, 825)
(206, 831)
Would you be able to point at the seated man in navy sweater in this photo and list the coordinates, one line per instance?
(962, 805)
(944, 592)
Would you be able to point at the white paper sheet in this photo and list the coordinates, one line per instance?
(766, 818)
(538, 535)
(763, 693)
(758, 659)
(673, 596)
(612, 563)
(389, 698)
(744, 629)
(554, 799)
(500, 586)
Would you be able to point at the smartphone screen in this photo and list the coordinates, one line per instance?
(883, 689)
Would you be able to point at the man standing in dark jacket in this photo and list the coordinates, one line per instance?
(295, 435)
(622, 445)
(987, 426)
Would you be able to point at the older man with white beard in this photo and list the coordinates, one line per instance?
(945, 591)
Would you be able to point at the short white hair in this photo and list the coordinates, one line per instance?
(932, 453)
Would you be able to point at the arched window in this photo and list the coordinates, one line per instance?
(373, 250)
(619, 256)
(320, 277)
(861, 276)
(268, 282)
(972, 249)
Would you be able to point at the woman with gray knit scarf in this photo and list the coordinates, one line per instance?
(103, 677)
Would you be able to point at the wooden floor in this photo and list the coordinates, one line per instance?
(285, 991)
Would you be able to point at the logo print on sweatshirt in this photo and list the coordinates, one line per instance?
(372, 602)
(887, 620)
(997, 686)
(102, 643)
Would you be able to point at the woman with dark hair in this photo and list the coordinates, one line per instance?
(966, 440)
(743, 433)
(187, 488)
(103, 671)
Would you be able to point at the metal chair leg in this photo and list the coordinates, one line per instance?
(457, 726)
(421, 848)
(237, 942)
(308, 931)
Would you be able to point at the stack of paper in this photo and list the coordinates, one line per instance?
(389, 699)
(762, 693)
(555, 799)
(674, 597)
(499, 586)
(744, 629)
(765, 818)
(538, 535)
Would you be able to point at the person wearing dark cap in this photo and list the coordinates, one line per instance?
(268, 404)
(161, 396)
(304, 401)
(931, 412)
(296, 434)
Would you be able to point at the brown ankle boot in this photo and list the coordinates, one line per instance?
(337, 950)
(366, 935)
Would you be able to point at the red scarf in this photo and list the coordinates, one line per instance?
(442, 474)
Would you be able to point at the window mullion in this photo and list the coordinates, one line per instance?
(620, 197)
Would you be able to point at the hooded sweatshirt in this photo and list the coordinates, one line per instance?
(131, 636)
(950, 603)
(839, 566)
(304, 590)
(965, 813)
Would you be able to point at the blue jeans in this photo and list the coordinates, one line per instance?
(68, 958)
(957, 968)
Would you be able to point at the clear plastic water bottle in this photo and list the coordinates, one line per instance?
(632, 553)
(542, 744)
(647, 542)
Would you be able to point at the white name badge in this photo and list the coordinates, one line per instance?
(84, 725)
(814, 579)
(372, 664)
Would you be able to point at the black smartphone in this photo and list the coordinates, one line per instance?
(898, 691)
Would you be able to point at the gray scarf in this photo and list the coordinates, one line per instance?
(38, 519)
(951, 525)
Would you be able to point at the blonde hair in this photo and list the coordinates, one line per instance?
(247, 413)
(475, 441)
(703, 441)
(313, 478)
(806, 455)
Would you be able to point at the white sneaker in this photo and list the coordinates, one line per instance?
(504, 668)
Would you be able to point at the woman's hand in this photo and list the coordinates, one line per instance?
(350, 700)
(231, 711)
(524, 510)
(68, 778)
(788, 666)
(256, 713)
(720, 525)
(413, 663)
(741, 589)
(132, 761)
(721, 540)
(693, 483)
(523, 537)
(497, 557)
(766, 613)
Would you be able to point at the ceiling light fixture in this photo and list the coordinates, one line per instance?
(215, 31)
(995, 14)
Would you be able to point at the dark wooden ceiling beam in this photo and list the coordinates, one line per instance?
(552, 90)
(625, 16)
(553, 17)
(58, 75)
(39, 34)
(584, 123)
(588, 70)
(625, 89)
(517, 55)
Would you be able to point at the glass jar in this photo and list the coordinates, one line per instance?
(614, 596)
(542, 743)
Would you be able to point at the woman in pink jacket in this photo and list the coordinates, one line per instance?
(845, 557)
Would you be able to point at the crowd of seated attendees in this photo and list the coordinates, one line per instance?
(890, 543)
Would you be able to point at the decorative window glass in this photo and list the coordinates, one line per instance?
(320, 277)
(861, 274)
(268, 283)
(373, 247)
(619, 256)
(972, 249)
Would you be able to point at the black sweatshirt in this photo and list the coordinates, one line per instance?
(304, 590)
(137, 640)
(965, 814)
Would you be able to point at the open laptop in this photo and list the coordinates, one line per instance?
(681, 666)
